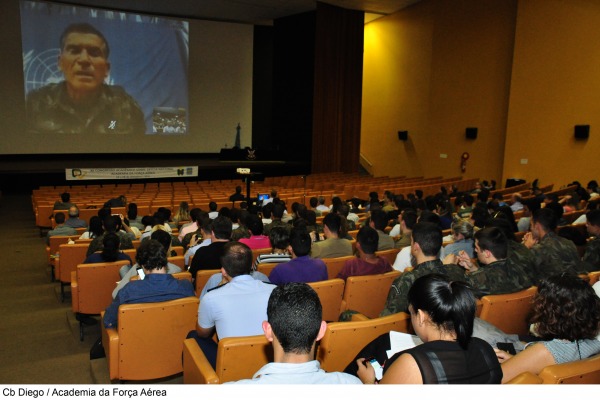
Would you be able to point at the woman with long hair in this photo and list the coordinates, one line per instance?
(110, 251)
(95, 229)
(442, 313)
(566, 317)
(183, 213)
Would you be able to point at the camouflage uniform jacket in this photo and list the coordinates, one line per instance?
(275, 223)
(496, 278)
(554, 255)
(397, 300)
(592, 255)
(240, 233)
(520, 261)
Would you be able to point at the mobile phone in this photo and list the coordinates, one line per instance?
(507, 347)
(376, 366)
(141, 273)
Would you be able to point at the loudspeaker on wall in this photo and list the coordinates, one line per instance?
(403, 135)
(471, 133)
(582, 131)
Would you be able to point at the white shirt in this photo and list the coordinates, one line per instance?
(402, 260)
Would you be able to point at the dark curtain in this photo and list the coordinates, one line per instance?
(337, 89)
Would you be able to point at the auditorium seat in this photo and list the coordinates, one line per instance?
(330, 293)
(586, 371)
(508, 312)
(368, 294)
(148, 341)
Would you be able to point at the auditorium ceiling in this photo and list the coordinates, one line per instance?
(259, 12)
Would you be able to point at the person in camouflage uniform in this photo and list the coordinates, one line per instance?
(493, 274)
(592, 250)
(425, 246)
(552, 254)
(278, 210)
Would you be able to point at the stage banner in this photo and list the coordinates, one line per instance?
(82, 174)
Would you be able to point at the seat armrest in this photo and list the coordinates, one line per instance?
(110, 342)
(74, 292)
(196, 368)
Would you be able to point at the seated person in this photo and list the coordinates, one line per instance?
(442, 314)
(256, 240)
(566, 317)
(462, 234)
(127, 271)
(61, 229)
(95, 229)
(280, 241)
(156, 286)
(493, 274)
(74, 221)
(294, 326)
(379, 221)
(110, 251)
(367, 263)
(235, 309)
(592, 249)
(209, 257)
(302, 268)
(334, 244)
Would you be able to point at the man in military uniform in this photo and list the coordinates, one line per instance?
(492, 274)
(277, 215)
(83, 103)
(592, 250)
(425, 247)
(552, 254)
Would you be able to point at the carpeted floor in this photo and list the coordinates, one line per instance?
(39, 337)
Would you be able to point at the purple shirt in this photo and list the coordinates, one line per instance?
(300, 269)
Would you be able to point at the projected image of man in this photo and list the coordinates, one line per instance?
(82, 102)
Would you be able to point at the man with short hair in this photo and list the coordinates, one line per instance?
(334, 245)
(199, 240)
(367, 263)
(61, 228)
(276, 216)
(425, 247)
(492, 275)
(74, 221)
(237, 196)
(592, 249)
(314, 202)
(157, 285)
(406, 221)
(256, 240)
(64, 203)
(236, 308)
(127, 271)
(552, 254)
(294, 325)
(212, 207)
(322, 207)
(209, 257)
(301, 268)
(379, 221)
(83, 103)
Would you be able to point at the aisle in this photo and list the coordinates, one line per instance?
(38, 336)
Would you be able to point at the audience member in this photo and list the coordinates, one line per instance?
(367, 263)
(95, 229)
(256, 240)
(566, 318)
(64, 203)
(425, 247)
(462, 234)
(294, 325)
(592, 249)
(492, 275)
(301, 268)
(235, 309)
(128, 271)
(276, 216)
(157, 285)
(61, 229)
(110, 251)
(379, 221)
(334, 244)
(74, 221)
(442, 313)
(209, 257)
(280, 242)
(552, 253)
